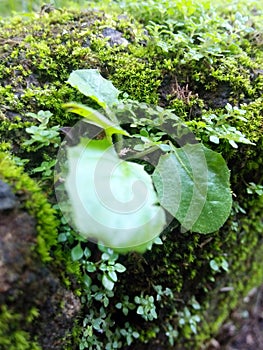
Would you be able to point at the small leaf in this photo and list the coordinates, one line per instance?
(103, 267)
(97, 323)
(106, 301)
(90, 83)
(196, 305)
(151, 299)
(87, 252)
(224, 265)
(228, 107)
(158, 241)
(233, 144)
(125, 311)
(107, 282)
(140, 310)
(119, 267)
(129, 339)
(193, 328)
(87, 280)
(214, 139)
(164, 147)
(137, 299)
(139, 147)
(113, 275)
(96, 118)
(144, 132)
(153, 313)
(105, 256)
(214, 266)
(91, 267)
(118, 305)
(99, 296)
(76, 253)
(62, 237)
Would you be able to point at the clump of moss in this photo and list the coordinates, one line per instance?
(53, 46)
(11, 335)
(35, 202)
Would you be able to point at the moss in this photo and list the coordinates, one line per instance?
(254, 115)
(244, 272)
(34, 202)
(236, 71)
(38, 64)
(12, 337)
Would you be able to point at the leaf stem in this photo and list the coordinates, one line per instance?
(144, 153)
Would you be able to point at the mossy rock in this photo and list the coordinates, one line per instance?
(195, 60)
(32, 296)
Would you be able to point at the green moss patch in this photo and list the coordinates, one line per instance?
(34, 202)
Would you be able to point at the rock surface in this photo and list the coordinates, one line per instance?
(26, 283)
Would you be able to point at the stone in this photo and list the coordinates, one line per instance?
(7, 198)
(115, 37)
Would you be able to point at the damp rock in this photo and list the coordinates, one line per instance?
(21, 275)
(115, 37)
(7, 198)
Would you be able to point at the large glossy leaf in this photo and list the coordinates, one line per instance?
(92, 84)
(112, 200)
(193, 185)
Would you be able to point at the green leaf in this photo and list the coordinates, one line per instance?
(125, 311)
(214, 139)
(153, 313)
(105, 256)
(91, 267)
(62, 237)
(87, 280)
(137, 299)
(87, 252)
(90, 83)
(192, 183)
(214, 266)
(112, 201)
(135, 334)
(140, 310)
(99, 296)
(96, 118)
(107, 282)
(103, 267)
(76, 252)
(224, 264)
(158, 241)
(119, 267)
(113, 275)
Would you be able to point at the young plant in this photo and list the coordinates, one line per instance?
(42, 135)
(218, 127)
(125, 305)
(146, 308)
(191, 182)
